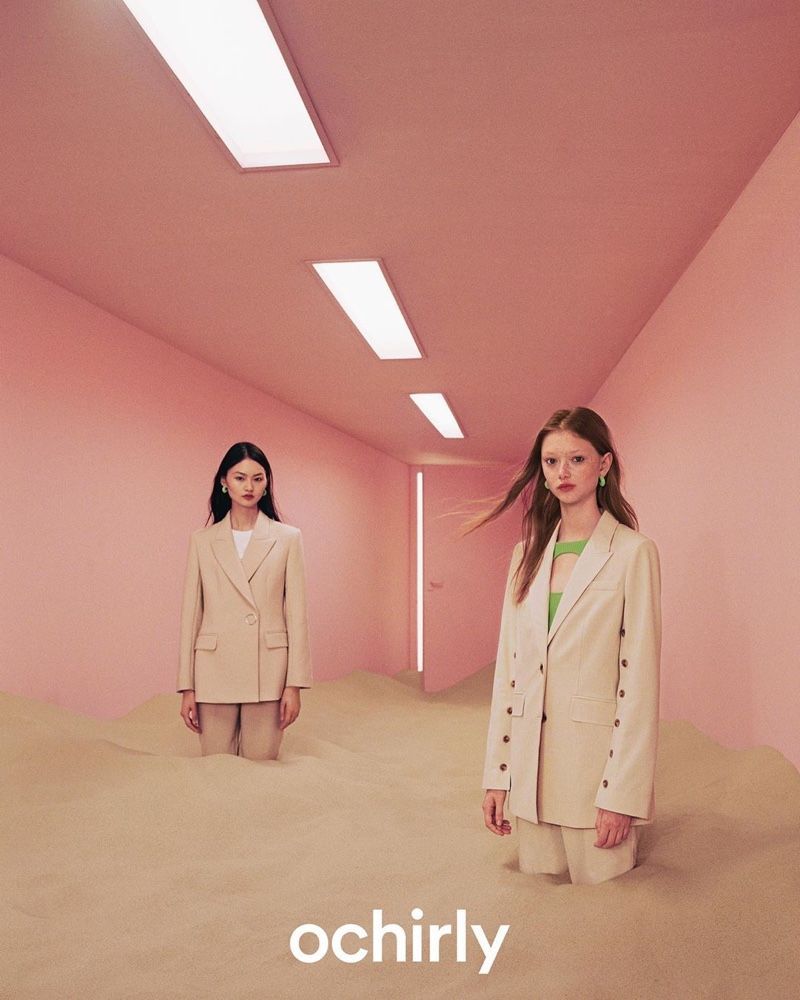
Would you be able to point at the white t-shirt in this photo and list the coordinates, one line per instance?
(241, 538)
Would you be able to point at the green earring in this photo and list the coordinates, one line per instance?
(602, 480)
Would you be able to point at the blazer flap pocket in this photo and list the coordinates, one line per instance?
(205, 642)
(517, 704)
(275, 640)
(596, 710)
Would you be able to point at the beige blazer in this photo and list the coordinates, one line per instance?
(574, 716)
(244, 627)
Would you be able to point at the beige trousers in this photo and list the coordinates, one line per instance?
(249, 729)
(545, 848)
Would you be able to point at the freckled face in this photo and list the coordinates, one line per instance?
(572, 462)
(246, 482)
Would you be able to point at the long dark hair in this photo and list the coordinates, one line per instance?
(219, 503)
(541, 510)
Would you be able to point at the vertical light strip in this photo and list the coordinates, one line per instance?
(420, 577)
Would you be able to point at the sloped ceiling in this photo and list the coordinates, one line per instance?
(535, 177)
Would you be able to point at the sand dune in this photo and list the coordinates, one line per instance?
(133, 868)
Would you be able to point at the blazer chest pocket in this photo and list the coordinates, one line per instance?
(275, 640)
(595, 710)
(205, 642)
(517, 704)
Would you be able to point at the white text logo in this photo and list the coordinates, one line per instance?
(343, 942)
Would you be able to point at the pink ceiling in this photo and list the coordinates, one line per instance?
(534, 175)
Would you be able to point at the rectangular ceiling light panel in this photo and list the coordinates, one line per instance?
(436, 409)
(226, 56)
(361, 289)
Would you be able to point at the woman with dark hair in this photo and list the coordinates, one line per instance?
(574, 719)
(244, 650)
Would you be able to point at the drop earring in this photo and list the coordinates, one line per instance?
(602, 480)
(224, 488)
(546, 485)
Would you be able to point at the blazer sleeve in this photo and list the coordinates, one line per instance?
(499, 719)
(299, 672)
(627, 785)
(191, 616)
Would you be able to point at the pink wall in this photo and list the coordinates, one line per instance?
(111, 440)
(705, 406)
(464, 577)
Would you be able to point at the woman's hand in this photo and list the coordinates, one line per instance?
(493, 803)
(189, 711)
(290, 706)
(612, 828)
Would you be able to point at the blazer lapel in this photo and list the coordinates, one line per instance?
(237, 570)
(589, 563)
(260, 544)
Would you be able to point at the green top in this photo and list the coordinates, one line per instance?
(555, 595)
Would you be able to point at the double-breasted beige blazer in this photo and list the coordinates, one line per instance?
(244, 625)
(574, 716)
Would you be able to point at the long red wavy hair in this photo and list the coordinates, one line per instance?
(541, 510)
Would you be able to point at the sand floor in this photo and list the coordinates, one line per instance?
(134, 868)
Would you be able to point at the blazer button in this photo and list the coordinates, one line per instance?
(624, 663)
(622, 631)
(515, 654)
(513, 684)
(541, 668)
(605, 783)
(506, 739)
(616, 722)
(504, 767)
(250, 618)
(622, 694)
(544, 716)
(610, 753)
(509, 710)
